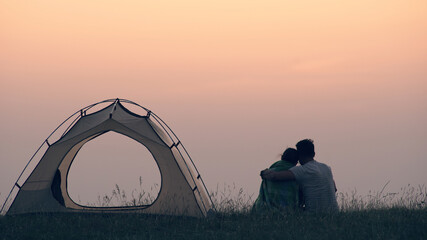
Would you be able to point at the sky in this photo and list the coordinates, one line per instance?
(237, 81)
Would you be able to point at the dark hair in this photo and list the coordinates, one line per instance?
(290, 155)
(305, 148)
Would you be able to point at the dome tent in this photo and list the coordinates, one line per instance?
(182, 190)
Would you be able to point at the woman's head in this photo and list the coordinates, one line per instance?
(290, 155)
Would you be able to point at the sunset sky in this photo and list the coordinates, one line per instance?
(238, 82)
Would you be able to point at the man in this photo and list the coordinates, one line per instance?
(279, 195)
(313, 177)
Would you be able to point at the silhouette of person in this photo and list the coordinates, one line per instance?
(279, 195)
(313, 177)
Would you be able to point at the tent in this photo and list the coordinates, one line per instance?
(182, 190)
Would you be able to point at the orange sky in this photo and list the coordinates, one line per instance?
(237, 80)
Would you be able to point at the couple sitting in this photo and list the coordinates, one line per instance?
(286, 186)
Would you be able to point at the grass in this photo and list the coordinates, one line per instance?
(118, 197)
(367, 224)
(378, 215)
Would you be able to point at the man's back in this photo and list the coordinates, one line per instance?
(318, 186)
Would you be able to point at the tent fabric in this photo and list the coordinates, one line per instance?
(182, 191)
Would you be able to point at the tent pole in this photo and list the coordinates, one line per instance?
(161, 122)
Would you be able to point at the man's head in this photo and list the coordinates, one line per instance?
(305, 150)
(290, 155)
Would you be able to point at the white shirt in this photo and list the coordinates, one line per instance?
(317, 185)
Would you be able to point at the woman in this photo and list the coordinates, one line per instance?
(279, 195)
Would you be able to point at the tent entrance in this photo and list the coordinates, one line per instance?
(113, 170)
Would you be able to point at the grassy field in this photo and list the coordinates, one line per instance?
(367, 224)
(375, 216)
